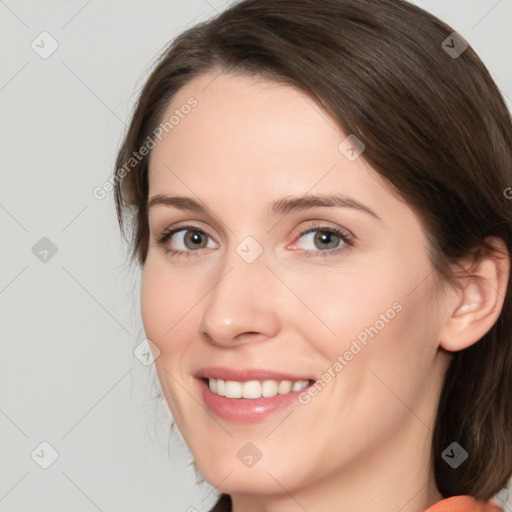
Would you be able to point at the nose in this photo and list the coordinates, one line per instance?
(242, 305)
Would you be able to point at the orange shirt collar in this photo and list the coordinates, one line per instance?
(463, 504)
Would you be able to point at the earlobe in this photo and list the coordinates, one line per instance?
(479, 301)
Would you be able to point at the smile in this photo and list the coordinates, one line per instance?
(247, 395)
(254, 389)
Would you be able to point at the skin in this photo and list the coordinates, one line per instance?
(363, 443)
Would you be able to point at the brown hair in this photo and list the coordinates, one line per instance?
(436, 130)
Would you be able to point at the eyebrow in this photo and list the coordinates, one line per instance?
(281, 206)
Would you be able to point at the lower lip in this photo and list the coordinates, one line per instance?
(246, 410)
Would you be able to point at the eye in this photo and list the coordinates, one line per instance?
(186, 239)
(330, 240)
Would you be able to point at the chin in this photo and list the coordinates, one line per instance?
(231, 477)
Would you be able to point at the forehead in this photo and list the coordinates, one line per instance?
(249, 140)
(242, 117)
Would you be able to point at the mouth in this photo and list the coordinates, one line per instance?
(248, 396)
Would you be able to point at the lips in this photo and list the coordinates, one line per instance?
(253, 409)
(244, 375)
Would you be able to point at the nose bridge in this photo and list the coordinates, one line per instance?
(240, 298)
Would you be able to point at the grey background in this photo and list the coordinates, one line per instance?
(69, 324)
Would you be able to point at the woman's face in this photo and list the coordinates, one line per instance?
(263, 282)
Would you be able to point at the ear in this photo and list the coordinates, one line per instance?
(478, 304)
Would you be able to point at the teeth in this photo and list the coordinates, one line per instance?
(269, 388)
(285, 386)
(233, 389)
(254, 388)
(251, 389)
(297, 386)
(221, 387)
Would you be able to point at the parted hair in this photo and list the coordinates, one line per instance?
(436, 130)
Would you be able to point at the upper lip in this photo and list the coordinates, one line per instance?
(244, 375)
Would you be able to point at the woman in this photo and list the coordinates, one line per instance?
(374, 373)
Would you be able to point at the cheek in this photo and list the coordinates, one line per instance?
(348, 305)
(164, 316)
(380, 359)
(151, 301)
(162, 306)
(381, 316)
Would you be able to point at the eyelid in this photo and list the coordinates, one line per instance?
(180, 226)
(321, 225)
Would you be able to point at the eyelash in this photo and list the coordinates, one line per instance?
(347, 239)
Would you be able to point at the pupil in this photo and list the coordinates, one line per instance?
(324, 237)
(194, 238)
